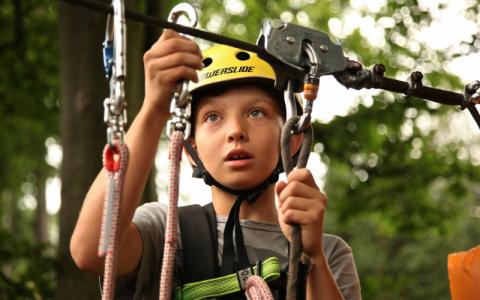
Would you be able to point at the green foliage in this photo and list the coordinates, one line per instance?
(28, 88)
(398, 192)
(29, 115)
(28, 270)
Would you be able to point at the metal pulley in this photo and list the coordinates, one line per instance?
(305, 48)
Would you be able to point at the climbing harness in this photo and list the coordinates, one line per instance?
(115, 154)
(254, 286)
(178, 129)
(198, 227)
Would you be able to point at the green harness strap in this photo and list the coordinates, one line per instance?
(221, 286)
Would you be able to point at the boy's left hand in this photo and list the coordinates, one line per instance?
(301, 202)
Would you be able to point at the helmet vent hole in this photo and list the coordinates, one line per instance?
(206, 62)
(242, 55)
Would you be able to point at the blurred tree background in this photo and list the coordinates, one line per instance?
(400, 179)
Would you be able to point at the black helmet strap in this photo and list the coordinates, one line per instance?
(229, 263)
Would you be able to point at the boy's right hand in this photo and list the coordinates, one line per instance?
(171, 59)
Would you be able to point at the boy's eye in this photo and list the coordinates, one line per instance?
(212, 118)
(256, 113)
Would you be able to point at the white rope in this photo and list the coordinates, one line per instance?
(171, 233)
(115, 160)
(257, 289)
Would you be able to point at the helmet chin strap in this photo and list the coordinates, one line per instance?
(229, 262)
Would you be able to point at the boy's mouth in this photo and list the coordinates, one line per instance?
(238, 155)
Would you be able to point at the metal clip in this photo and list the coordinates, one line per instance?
(180, 107)
(314, 63)
(180, 119)
(114, 63)
(305, 118)
(108, 48)
(184, 9)
(289, 97)
(310, 88)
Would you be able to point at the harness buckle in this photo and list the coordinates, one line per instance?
(242, 277)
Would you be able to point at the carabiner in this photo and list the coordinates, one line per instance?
(310, 88)
(108, 48)
(180, 107)
(289, 98)
(114, 63)
(186, 9)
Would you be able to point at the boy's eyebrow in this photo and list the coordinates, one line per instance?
(252, 99)
(256, 99)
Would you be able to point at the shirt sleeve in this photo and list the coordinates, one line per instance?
(143, 283)
(342, 265)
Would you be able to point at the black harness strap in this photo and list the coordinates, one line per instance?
(198, 228)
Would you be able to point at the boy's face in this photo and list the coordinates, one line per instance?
(237, 135)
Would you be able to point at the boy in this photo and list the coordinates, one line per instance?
(237, 121)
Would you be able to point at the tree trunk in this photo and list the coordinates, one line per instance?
(83, 88)
(139, 39)
(41, 217)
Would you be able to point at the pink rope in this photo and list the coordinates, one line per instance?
(115, 160)
(257, 289)
(171, 233)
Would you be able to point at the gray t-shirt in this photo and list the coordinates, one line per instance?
(262, 240)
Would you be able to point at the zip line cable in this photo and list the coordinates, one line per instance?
(369, 78)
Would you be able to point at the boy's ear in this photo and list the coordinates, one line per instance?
(190, 160)
(296, 141)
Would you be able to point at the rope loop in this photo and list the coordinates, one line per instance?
(290, 129)
(257, 288)
(115, 160)
(112, 157)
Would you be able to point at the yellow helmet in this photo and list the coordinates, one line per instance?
(224, 63)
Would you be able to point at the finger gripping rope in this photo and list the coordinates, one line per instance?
(171, 233)
(115, 160)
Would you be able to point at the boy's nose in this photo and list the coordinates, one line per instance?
(237, 133)
(236, 136)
